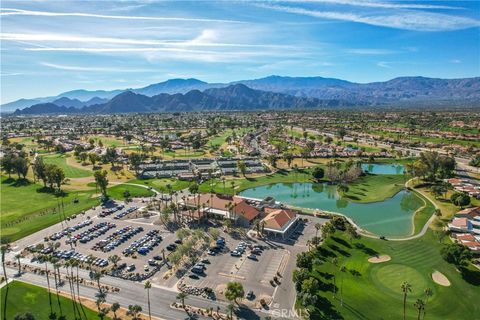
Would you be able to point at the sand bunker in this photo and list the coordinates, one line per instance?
(439, 278)
(379, 259)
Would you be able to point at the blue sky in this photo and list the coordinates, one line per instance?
(48, 47)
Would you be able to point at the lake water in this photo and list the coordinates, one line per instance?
(376, 168)
(392, 217)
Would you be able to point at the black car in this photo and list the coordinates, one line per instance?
(178, 241)
(193, 276)
(157, 258)
(171, 247)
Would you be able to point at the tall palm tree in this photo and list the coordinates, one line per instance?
(406, 288)
(334, 262)
(342, 269)
(420, 306)
(318, 226)
(72, 290)
(182, 296)
(97, 276)
(76, 264)
(17, 257)
(428, 293)
(4, 249)
(46, 259)
(148, 285)
(56, 267)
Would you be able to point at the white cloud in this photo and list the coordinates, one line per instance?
(374, 4)
(384, 64)
(456, 61)
(89, 69)
(14, 12)
(399, 19)
(369, 51)
(203, 40)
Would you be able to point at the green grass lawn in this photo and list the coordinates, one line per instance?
(27, 207)
(109, 141)
(372, 291)
(161, 184)
(70, 172)
(117, 192)
(372, 187)
(23, 297)
(219, 139)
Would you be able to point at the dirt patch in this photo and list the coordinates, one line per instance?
(440, 279)
(379, 259)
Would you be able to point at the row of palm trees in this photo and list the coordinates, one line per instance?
(420, 304)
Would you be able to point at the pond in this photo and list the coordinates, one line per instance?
(376, 168)
(391, 217)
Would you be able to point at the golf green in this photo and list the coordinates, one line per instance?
(391, 277)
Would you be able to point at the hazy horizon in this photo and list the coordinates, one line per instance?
(53, 47)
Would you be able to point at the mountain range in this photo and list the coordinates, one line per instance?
(300, 92)
(232, 98)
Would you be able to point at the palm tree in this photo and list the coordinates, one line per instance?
(318, 226)
(114, 259)
(4, 249)
(76, 264)
(148, 285)
(406, 288)
(45, 259)
(342, 269)
(334, 262)
(182, 296)
(17, 257)
(115, 306)
(134, 310)
(56, 267)
(70, 284)
(420, 306)
(428, 294)
(96, 276)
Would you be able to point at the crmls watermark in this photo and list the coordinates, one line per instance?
(277, 313)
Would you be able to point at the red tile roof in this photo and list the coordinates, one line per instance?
(466, 237)
(471, 212)
(277, 219)
(247, 211)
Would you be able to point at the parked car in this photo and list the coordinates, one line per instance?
(152, 262)
(235, 253)
(250, 295)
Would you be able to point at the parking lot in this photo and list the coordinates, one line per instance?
(100, 233)
(254, 271)
(103, 232)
